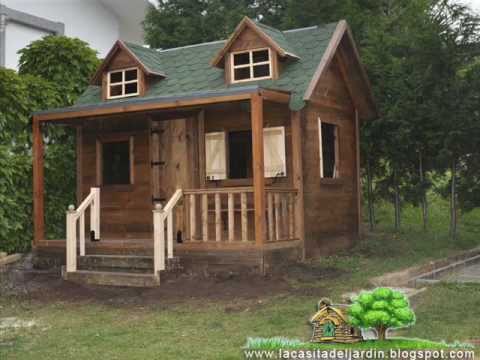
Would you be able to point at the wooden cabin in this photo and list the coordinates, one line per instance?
(330, 324)
(240, 152)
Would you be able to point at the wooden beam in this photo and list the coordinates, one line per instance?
(297, 158)
(258, 168)
(358, 174)
(130, 108)
(276, 96)
(38, 185)
(79, 146)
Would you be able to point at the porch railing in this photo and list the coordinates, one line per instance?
(77, 217)
(226, 215)
(159, 216)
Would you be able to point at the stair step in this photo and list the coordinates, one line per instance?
(112, 278)
(104, 262)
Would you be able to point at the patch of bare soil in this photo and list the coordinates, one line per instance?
(237, 291)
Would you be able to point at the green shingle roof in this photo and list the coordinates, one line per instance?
(188, 69)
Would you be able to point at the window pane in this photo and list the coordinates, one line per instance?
(241, 59)
(260, 56)
(131, 88)
(116, 77)
(116, 90)
(261, 70)
(131, 75)
(116, 163)
(328, 146)
(242, 73)
(240, 154)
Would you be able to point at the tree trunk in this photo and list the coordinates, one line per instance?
(371, 209)
(381, 333)
(453, 201)
(424, 193)
(396, 201)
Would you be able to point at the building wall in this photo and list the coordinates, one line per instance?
(89, 20)
(330, 204)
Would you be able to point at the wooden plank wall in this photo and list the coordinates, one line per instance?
(330, 204)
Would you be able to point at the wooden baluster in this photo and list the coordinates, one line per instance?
(193, 218)
(271, 234)
(218, 218)
(291, 216)
(205, 217)
(82, 233)
(170, 234)
(231, 217)
(284, 224)
(277, 216)
(243, 200)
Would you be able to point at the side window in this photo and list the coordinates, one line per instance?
(328, 146)
(229, 154)
(115, 161)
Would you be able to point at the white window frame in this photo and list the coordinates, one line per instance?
(320, 146)
(250, 65)
(123, 83)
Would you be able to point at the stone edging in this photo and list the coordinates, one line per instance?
(406, 277)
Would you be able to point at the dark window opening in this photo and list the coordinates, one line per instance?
(260, 56)
(116, 77)
(241, 58)
(116, 163)
(131, 88)
(328, 147)
(242, 73)
(131, 75)
(261, 71)
(240, 154)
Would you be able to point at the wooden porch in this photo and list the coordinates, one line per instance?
(262, 217)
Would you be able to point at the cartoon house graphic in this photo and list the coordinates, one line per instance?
(330, 324)
(246, 150)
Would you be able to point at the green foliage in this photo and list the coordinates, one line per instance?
(67, 62)
(20, 96)
(381, 309)
(53, 72)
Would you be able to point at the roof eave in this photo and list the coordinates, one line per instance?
(168, 102)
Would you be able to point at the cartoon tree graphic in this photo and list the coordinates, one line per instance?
(381, 309)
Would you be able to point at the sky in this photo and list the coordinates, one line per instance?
(475, 4)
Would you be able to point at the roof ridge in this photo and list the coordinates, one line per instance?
(190, 46)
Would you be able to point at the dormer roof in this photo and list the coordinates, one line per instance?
(273, 37)
(143, 57)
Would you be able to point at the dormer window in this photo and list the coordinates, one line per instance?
(251, 65)
(123, 83)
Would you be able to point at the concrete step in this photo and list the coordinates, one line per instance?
(112, 278)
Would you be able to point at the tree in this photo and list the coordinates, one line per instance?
(69, 63)
(20, 95)
(381, 309)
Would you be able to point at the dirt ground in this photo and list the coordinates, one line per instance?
(46, 286)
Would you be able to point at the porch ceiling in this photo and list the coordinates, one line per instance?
(162, 103)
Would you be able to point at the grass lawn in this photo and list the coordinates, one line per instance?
(195, 328)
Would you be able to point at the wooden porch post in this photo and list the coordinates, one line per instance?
(79, 145)
(258, 167)
(38, 184)
(296, 119)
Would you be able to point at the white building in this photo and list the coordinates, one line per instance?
(98, 22)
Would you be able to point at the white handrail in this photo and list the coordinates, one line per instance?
(92, 200)
(159, 216)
